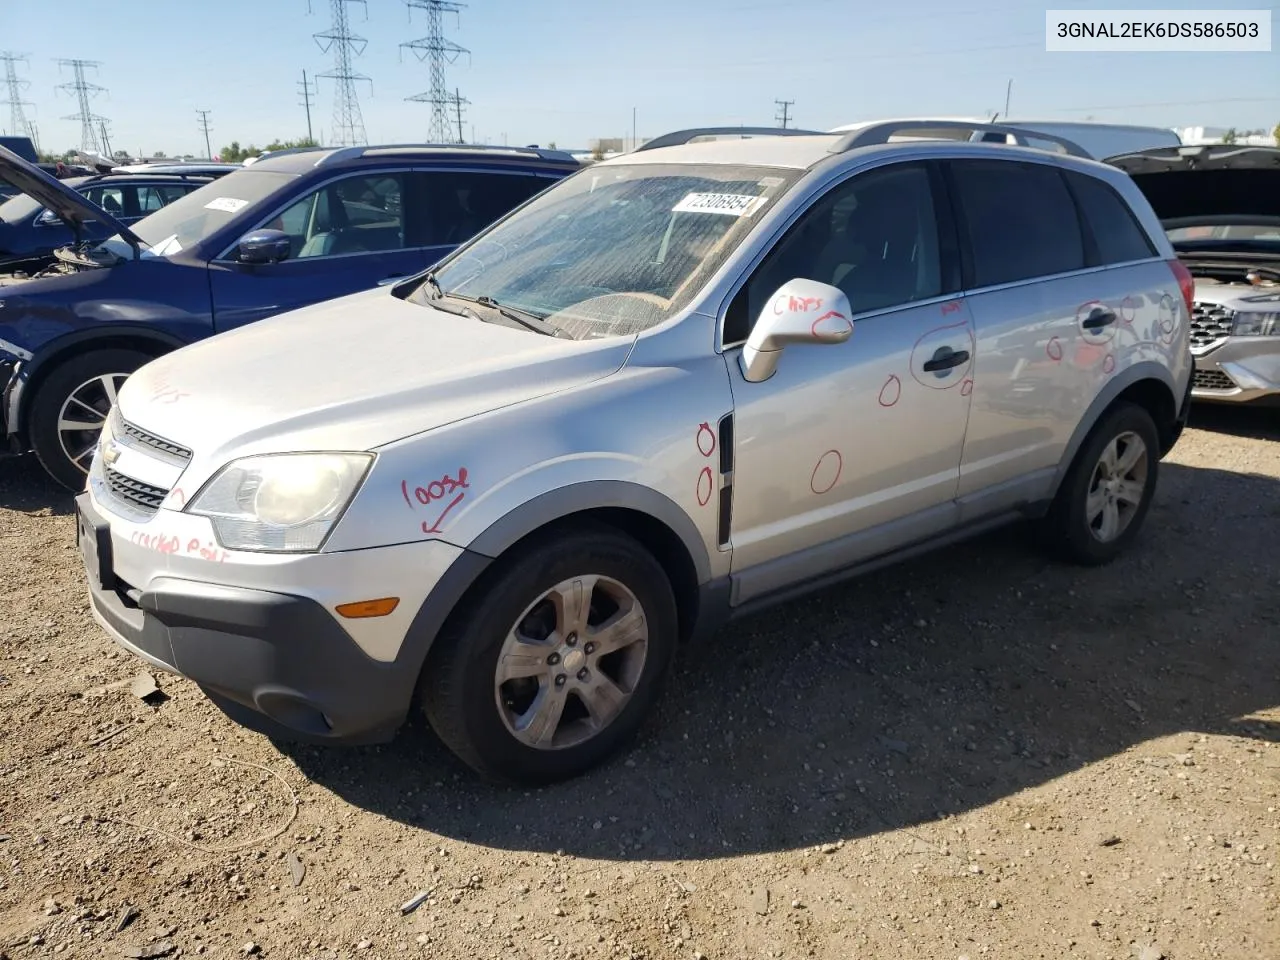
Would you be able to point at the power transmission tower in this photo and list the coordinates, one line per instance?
(84, 90)
(18, 125)
(439, 52)
(348, 123)
(204, 128)
(307, 93)
(783, 114)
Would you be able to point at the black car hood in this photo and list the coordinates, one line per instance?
(74, 209)
(1215, 180)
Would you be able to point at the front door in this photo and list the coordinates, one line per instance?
(851, 450)
(347, 236)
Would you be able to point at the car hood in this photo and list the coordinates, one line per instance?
(1216, 180)
(353, 373)
(74, 208)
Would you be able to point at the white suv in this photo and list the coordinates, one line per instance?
(671, 389)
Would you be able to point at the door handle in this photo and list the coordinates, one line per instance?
(1098, 318)
(945, 358)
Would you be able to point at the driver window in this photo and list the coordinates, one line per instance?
(355, 215)
(874, 236)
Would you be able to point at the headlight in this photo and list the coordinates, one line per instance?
(280, 503)
(1256, 324)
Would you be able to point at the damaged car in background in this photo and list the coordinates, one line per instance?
(1220, 205)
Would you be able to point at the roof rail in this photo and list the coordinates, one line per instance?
(877, 133)
(680, 137)
(354, 153)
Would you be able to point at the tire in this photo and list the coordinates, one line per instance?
(478, 718)
(1093, 519)
(85, 377)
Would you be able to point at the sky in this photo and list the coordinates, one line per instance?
(570, 71)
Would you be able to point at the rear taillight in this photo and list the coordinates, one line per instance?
(1186, 283)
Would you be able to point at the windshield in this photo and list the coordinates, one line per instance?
(18, 209)
(203, 212)
(615, 250)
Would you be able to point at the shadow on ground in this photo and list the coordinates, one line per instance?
(941, 685)
(25, 486)
(1253, 422)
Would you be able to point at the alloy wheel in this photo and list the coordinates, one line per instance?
(570, 664)
(1117, 487)
(82, 415)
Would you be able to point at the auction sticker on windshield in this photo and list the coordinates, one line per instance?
(226, 204)
(730, 204)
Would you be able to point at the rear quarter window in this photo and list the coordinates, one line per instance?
(1018, 221)
(1116, 234)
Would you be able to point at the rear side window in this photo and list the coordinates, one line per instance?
(1019, 221)
(1116, 233)
(447, 207)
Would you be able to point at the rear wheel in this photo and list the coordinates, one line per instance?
(71, 406)
(555, 663)
(1107, 492)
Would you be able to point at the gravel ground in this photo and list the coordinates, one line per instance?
(977, 754)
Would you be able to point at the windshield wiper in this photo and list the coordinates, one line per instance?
(526, 318)
(434, 284)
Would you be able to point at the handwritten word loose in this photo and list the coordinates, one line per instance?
(435, 491)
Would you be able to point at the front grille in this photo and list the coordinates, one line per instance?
(1211, 380)
(1210, 322)
(140, 495)
(141, 437)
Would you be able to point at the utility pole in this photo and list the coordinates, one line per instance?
(307, 94)
(106, 144)
(634, 142)
(458, 101)
(1008, 91)
(204, 126)
(783, 114)
(15, 103)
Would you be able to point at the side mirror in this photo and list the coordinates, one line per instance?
(801, 311)
(48, 218)
(264, 246)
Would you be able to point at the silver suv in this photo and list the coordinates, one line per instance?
(1218, 204)
(678, 386)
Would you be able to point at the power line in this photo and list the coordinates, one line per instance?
(204, 127)
(439, 52)
(17, 118)
(307, 93)
(84, 91)
(348, 123)
(782, 116)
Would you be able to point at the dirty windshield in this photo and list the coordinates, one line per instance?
(615, 249)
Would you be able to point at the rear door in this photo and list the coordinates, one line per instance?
(1059, 307)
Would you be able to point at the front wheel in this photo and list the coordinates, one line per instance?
(554, 664)
(70, 407)
(1107, 492)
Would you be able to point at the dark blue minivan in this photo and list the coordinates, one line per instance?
(289, 230)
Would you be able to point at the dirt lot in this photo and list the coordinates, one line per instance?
(980, 754)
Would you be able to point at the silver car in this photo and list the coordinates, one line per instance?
(678, 386)
(1218, 204)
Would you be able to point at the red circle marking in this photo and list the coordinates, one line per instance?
(966, 388)
(708, 446)
(830, 314)
(828, 459)
(1054, 349)
(1127, 308)
(891, 392)
(705, 481)
(1108, 363)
